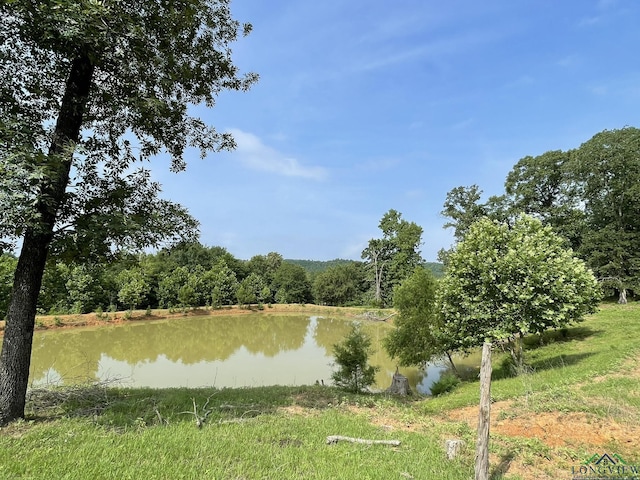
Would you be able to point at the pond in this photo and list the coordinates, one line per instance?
(221, 351)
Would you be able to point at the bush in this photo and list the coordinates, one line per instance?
(352, 356)
(447, 382)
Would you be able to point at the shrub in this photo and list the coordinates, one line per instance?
(447, 382)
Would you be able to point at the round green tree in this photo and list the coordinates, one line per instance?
(504, 282)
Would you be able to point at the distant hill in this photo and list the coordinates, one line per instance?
(317, 266)
(436, 268)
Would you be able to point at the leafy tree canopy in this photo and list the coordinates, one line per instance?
(589, 195)
(87, 89)
(341, 284)
(150, 60)
(417, 336)
(607, 172)
(393, 257)
(505, 282)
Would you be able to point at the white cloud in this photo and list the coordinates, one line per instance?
(254, 154)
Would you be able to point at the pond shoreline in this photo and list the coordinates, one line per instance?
(49, 322)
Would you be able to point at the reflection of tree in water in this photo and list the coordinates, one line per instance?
(272, 335)
(330, 331)
(68, 354)
(197, 339)
(189, 340)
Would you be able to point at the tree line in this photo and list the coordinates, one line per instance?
(190, 274)
(589, 195)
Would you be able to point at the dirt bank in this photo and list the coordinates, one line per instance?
(45, 322)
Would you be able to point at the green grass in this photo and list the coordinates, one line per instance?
(586, 352)
(280, 432)
(141, 434)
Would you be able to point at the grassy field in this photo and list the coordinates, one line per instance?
(582, 397)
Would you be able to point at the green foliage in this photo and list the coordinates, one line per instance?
(589, 196)
(607, 169)
(352, 357)
(505, 282)
(545, 187)
(446, 383)
(170, 284)
(291, 284)
(82, 285)
(187, 296)
(265, 267)
(156, 280)
(221, 281)
(437, 269)
(417, 335)
(393, 257)
(314, 267)
(341, 284)
(151, 59)
(7, 267)
(133, 288)
(251, 290)
(463, 208)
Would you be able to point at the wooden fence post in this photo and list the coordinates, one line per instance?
(484, 417)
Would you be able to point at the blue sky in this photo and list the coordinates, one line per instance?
(365, 106)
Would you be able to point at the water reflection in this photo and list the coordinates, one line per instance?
(223, 351)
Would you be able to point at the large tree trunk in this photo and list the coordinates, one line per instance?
(622, 296)
(15, 357)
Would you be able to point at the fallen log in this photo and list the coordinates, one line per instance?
(336, 438)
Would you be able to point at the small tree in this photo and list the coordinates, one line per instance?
(133, 288)
(505, 282)
(352, 356)
(250, 289)
(418, 335)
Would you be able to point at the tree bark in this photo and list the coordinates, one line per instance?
(15, 357)
(453, 365)
(399, 385)
(622, 296)
(482, 446)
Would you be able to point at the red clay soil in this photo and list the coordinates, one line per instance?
(555, 429)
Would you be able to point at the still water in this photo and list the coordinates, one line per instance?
(221, 351)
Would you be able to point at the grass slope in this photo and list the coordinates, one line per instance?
(582, 397)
